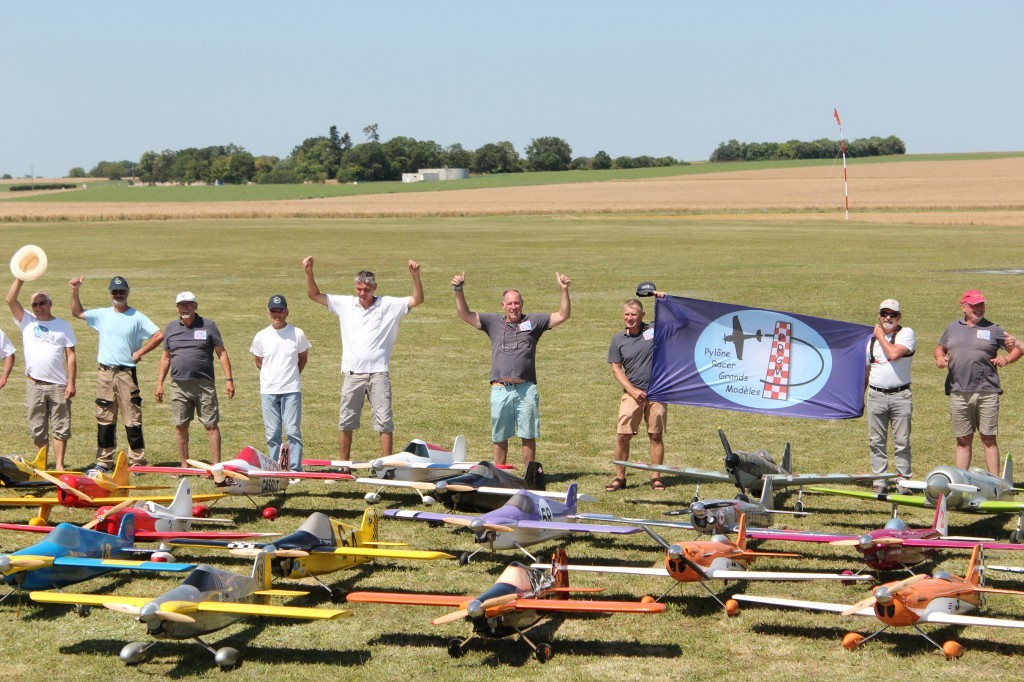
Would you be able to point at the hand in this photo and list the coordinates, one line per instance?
(942, 361)
(638, 395)
(459, 280)
(307, 263)
(136, 356)
(999, 361)
(3, 381)
(230, 389)
(414, 267)
(69, 392)
(879, 332)
(159, 393)
(76, 282)
(563, 280)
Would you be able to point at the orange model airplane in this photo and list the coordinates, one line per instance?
(941, 598)
(521, 599)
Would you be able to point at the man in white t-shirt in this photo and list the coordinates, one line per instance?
(281, 351)
(50, 370)
(890, 403)
(369, 328)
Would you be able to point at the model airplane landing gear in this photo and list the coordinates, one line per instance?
(455, 647)
(135, 653)
(542, 651)
(82, 610)
(1017, 536)
(226, 657)
(799, 506)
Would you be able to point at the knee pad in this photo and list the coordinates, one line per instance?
(135, 440)
(106, 435)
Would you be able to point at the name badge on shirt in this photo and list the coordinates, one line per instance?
(648, 333)
(199, 334)
(526, 326)
(985, 334)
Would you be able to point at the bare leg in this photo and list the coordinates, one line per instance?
(963, 451)
(991, 454)
(529, 450)
(181, 433)
(387, 440)
(500, 452)
(657, 451)
(622, 453)
(213, 433)
(59, 448)
(345, 444)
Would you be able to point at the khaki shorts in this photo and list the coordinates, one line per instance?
(631, 413)
(190, 397)
(377, 387)
(47, 408)
(972, 412)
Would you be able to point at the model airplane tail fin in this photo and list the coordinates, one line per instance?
(370, 529)
(121, 474)
(787, 459)
(570, 498)
(40, 461)
(768, 494)
(459, 449)
(127, 530)
(535, 476)
(941, 522)
(976, 569)
(181, 505)
(1008, 470)
(741, 531)
(261, 571)
(560, 571)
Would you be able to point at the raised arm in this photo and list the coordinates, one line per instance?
(17, 311)
(312, 290)
(564, 307)
(76, 303)
(465, 314)
(417, 286)
(893, 351)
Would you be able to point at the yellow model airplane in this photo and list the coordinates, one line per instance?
(321, 546)
(21, 475)
(94, 489)
(209, 599)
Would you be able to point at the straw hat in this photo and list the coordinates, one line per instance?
(28, 263)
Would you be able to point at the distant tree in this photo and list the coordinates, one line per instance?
(457, 157)
(366, 161)
(7, 176)
(371, 133)
(549, 154)
(623, 162)
(282, 173)
(77, 172)
(497, 157)
(112, 170)
(601, 161)
(580, 163)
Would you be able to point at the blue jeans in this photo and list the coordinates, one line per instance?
(283, 411)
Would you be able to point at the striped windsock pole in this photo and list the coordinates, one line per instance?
(842, 145)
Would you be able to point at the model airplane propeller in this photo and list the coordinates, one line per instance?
(17, 473)
(520, 599)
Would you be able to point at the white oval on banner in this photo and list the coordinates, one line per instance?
(762, 359)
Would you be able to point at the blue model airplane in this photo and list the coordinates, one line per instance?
(70, 554)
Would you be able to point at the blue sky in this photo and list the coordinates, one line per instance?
(90, 81)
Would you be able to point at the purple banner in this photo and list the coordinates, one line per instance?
(711, 354)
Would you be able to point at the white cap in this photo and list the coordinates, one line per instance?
(890, 304)
(185, 297)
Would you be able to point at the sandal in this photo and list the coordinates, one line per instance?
(616, 485)
(656, 484)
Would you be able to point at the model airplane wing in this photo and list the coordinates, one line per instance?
(801, 604)
(790, 480)
(578, 527)
(153, 536)
(392, 483)
(961, 619)
(582, 606)
(187, 471)
(795, 536)
(620, 570)
(322, 475)
(424, 516)
(89, 599)
(86, 562)
(375, 553)
(28, 501)
(909, 500)
(686, 474)
(778, 575)
(271, 611)
(547, 494)
(408, 599)
(997, 506)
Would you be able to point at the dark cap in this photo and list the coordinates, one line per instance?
(277, 301)
(118, 284)
(645, 289)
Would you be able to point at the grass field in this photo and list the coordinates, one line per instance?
(821, 266)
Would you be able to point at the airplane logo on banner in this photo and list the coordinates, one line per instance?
(754, 360)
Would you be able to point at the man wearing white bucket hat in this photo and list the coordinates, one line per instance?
(50, 369)
(125, 335)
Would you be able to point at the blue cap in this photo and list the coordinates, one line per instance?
(277, 301)
(118, 284)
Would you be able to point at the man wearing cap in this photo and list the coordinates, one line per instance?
(189, 344)
(281, 351)
(369, 329)
(125, 336)
(890, 403)
(50, 370)
(515, 402)
(969, 352)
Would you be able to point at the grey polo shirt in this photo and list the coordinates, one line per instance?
(191, 348)
(971, 350)
(635, 354)
(514, 346)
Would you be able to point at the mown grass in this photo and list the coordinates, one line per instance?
(439, 372)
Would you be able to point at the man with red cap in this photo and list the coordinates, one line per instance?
(969, 352)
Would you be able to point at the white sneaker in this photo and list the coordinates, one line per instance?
(294, 481)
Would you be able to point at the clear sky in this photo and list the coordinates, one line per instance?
(85, 81)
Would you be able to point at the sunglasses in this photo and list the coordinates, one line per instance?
(888, 313)
(40, 304)
(277, 310)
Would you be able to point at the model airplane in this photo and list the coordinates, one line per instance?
(749, 471)
(975, 491)
(520, 599)
(526, 519)
(70, 554)
(208, 600)
(19, 474)
(718, 559)
(896, 546)
(941, 598)
(154, 522)
(94, 489)
(321, 546)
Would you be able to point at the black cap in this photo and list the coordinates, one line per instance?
(118, 284)
(646, 289)
(277, 301)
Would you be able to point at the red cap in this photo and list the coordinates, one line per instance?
(972, 297)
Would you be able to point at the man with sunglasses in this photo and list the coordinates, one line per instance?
(890, 402)
(515, 402)
(50, 370)
(969, 352)
(125, 335)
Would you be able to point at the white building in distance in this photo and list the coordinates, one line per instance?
(436, 175)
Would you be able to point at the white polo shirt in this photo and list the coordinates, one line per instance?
(367, 336)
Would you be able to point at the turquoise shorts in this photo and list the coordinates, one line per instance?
(515, 411)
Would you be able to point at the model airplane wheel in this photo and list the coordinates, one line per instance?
(226, 657)
(1015, 538)
(464, 558)
(848, 582)
(694, 499)
(455, 649)
(952, 650)
(134, 653)
(852, 640)
(798, 507)
(732, 608)
(544, 652)
(338, 595)
(82, 610)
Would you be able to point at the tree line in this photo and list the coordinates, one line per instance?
(824, 148)
(335, 157)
